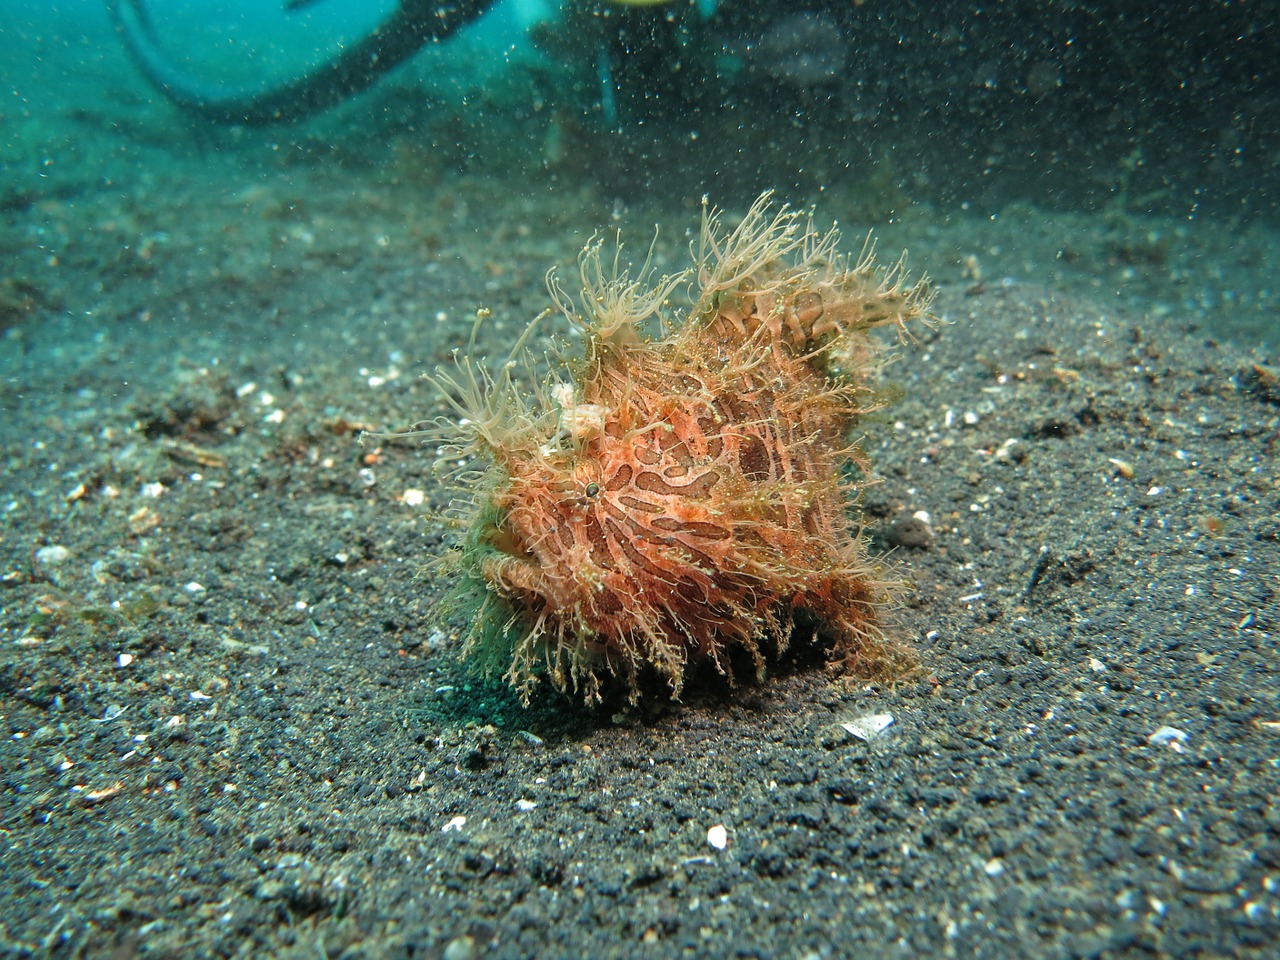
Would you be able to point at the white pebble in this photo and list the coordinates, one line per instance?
(1170, 737)
(52, 556)
(718, 836)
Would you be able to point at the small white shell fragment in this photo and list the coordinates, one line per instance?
(524, 806)
(1171, 737)
(413, 497)
(1124, 468)
(52, 556)
(1005, 452)
(124, 659)
(866, 727)
(457, 823)
(718, 836)
(109, 714)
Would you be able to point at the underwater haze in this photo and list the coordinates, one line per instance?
(241, 240)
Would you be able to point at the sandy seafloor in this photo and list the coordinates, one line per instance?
(234, 724)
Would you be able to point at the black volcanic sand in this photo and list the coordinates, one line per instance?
(235, 725)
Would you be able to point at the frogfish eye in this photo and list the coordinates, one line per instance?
(592, 489)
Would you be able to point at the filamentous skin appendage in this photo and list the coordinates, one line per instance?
(683, 498)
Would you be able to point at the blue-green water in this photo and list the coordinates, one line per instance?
(1111, 146)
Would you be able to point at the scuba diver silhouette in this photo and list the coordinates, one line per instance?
(410, 26)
